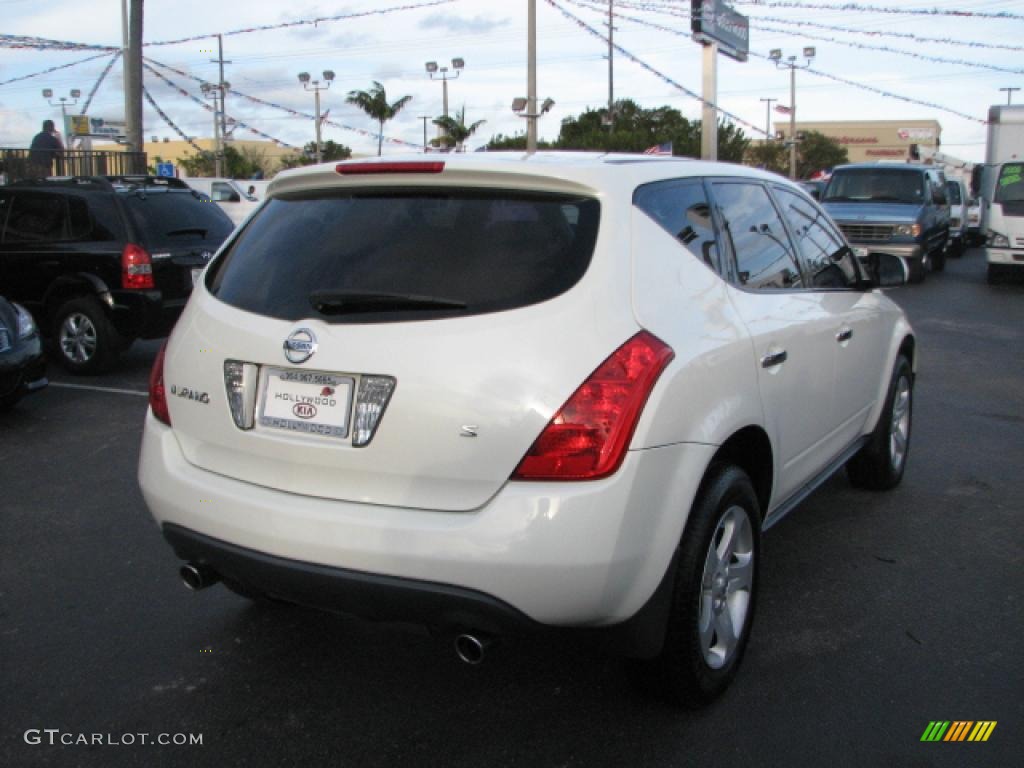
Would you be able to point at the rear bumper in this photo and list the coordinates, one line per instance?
(561, 554)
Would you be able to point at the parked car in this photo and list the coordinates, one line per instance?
(231, 195)
(901, 210)
(956, 191)
(22, 365)
(102, 261)
(498, 394)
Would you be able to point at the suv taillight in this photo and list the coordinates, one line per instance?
(157, 391)
(587, 438)
(136, 268)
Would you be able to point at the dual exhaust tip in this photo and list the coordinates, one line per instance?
(470, 648)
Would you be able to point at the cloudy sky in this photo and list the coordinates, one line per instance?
(490, 35)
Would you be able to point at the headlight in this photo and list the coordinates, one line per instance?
(995, 240)
(908, 230)
(26, 325)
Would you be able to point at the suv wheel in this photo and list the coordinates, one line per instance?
(918, 269)
(939, 260)
(715, 591)
(86, 340)
(879, 465)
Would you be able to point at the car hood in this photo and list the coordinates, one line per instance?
(889, 212)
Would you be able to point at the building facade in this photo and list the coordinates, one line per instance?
(874, 140)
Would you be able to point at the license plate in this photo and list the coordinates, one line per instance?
(196, 272)
(860, 253)
(306, 401)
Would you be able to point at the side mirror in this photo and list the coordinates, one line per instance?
(887, 270)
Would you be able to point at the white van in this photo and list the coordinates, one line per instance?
(230, 194)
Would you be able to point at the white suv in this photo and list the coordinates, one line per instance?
(517, 394)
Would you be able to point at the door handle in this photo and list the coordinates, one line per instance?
(844, 335)
(775, 358)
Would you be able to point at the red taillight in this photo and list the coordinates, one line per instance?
(413, 166)
(136, 268)
(157, 391)
(588, 437)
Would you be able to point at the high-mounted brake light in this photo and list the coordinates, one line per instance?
(587, 438)
(354, 169)
(157, 391)
(136, 268)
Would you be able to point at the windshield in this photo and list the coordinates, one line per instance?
(953, 190)
(883, 185)
(1010, 187)
(169, 218)
(385, 256)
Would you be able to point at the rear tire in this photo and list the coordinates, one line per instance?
(879, 465)
(85, 340)
(715, 591)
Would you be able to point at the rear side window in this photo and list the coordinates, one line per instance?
(828, 262)
(167, 218)
(222, 192)
(682, 209)
(764, 255)
(383, 256)
(36, 217)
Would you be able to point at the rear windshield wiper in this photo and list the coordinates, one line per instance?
(187, 231)
(351, 302)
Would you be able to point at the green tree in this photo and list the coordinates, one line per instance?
(236, 165)
(455, 128)
(374, 103)
(814, 152)
(501, 141)
(331, 151)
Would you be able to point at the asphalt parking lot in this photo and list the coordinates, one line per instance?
(878, 613)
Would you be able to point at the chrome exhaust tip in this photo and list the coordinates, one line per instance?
(198, 577)
(471, 648)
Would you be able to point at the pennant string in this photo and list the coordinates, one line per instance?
(102, 77)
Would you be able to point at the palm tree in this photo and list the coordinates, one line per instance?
(455, 128)
(374, 103)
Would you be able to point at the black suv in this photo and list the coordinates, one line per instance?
(102, 261)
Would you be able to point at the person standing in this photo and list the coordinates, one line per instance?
(45, 148)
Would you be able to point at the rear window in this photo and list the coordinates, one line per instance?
(384, 256)
(168, 218)
(882, 185)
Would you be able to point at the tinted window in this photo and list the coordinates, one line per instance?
(1010, 186)
(891, 185)
(828, 262)
(172, 217)
(373, 254)
(764, 256)
(36, 218)
(953, 190)
(224, 193)
(681, 207)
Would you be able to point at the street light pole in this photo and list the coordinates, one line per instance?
(212, 92)
(776, 56)
(531, 77)
(315, 87)
(768, 118)
(458, 64)
(1009, 94)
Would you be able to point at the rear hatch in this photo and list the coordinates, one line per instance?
(399, 344)
(180, 229)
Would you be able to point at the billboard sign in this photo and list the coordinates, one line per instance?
(97, 127)
(712, 21)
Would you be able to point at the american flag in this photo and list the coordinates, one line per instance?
(782, 109)
(660, 149)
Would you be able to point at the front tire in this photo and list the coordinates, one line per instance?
(715, 591)
(939, 260)
(879, 465)
(85, 339)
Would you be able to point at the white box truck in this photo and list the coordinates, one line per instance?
(1002, 192)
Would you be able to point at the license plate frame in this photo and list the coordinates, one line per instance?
(287, 394)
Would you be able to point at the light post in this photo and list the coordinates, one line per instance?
(520, 105)
(776, 56)
(441, 73)
(315, 87)
(1009, 94)
(214, 93)
(768, 118)
(63, 102)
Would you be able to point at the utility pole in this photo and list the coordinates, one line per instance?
(776, 56)
(768, 118)
(424, 118)
(611, 70)
(1009, 94)
(133, 74)
(709, 113)
(221, 85)
(531, 77)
